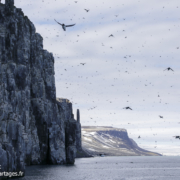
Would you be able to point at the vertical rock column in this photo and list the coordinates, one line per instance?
(78, 116)
(65, 107)
(70, 141)
(78, 132)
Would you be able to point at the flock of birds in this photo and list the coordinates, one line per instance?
(64, 27)
(111, 35)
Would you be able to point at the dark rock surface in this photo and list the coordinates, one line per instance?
(35, 128)
(80, 151)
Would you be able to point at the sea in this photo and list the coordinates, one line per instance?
(110, 168)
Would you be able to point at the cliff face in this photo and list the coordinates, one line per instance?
(35, 128)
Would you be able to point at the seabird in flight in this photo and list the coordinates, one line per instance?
(83, 63)
(127, 108)
(64, 26)
(86, 10)
(161, 116)
(177, 137)
(168, 69)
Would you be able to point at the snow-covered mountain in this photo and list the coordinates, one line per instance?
(110, 141)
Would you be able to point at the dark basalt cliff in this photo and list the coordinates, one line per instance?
(35, 127)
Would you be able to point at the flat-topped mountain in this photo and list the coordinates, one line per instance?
(111, 141)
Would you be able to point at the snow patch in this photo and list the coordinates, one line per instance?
(93, 133)
(91, 149)
(87, 139)
(112, 141)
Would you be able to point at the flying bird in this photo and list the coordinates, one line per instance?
(83, 63)
(161, 116)
(86, 10)
(168, 69)
(64, 26)
(127, 108)
(111, 35)
(177, 137)
(139, 137)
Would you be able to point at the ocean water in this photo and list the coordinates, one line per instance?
(110, 168)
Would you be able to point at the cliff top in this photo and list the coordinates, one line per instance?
(102, 128)
(63, 100)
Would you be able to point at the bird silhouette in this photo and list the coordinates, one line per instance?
(168, 69)
(139, 137)
(161, 116)
(83, 63)
(127, 108)
(177, 137)
(111, 35)
(64, 26)
(87, 10)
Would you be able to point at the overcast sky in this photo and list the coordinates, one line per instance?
(124, 70)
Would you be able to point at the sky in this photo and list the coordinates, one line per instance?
(126, 70)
